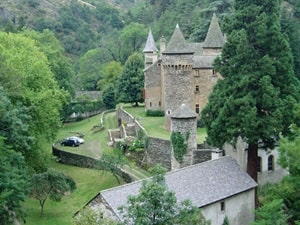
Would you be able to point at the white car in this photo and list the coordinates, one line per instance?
(80, 140)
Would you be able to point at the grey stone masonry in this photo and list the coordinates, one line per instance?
(184, 121)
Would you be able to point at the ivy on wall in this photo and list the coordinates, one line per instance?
(179, 144)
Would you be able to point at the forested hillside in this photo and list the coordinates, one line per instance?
(118, 28)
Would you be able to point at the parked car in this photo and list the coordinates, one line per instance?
(70, 142)
(81, 140)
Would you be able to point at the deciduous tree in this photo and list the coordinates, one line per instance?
(51, 184)
(131, 82)
(30, 86)
(113, 162)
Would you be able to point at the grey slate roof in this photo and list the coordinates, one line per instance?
(214, 37)
(204, 183)
(203, 61)
(183, 112)
(178, 44)
(150, 44)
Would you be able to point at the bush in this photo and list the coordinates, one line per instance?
(155, 113)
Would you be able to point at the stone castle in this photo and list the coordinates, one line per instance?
(186, 66)
(178, 81)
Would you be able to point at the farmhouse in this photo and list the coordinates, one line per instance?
(219, 187)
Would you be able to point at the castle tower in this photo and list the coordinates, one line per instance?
(177, 65)
(184, 125)
(150, 50)
(214, 40)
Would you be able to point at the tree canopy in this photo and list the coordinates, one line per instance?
(131, 82)
(51, 184)
(30, 90)
(13, 184)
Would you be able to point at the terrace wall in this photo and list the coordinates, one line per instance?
(157, 150)
(84, 162)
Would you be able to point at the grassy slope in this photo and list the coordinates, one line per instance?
(89, 183)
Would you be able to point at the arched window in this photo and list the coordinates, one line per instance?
(197, 108)
(259, 164)
(271, 163)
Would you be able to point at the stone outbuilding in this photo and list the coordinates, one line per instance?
(219, 187)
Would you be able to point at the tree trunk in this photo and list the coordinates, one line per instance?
(42, 202)
(252, 166)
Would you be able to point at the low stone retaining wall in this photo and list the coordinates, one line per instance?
(72, 159)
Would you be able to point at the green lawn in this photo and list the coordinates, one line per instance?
(89, 182)
(155, 125)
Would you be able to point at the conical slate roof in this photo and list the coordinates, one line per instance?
(214, 37)
(150, 44)
(177, 44)
(183, 112)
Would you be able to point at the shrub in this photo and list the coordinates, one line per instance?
(157, 113)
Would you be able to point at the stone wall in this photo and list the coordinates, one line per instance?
(72, 159)
(159, 151)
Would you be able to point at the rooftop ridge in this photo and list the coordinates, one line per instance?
(150, 44)
(214, 37)
(177, 43)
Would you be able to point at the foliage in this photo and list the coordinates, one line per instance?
(109, 97)
(155, 112)
(113, 162)
(59, 64)
(89, 216)
(132, 144)
(13, 184)
(179, 144)
(110, 73)
(259, 84)
(131, 82)
(30, 87)
(271, 213)
(155, 204)
(90, 66)
(51, 184)
(289, 187)
(133, 36)
(226, 221)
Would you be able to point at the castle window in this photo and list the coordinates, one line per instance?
(197, 88)
(271, 163)
(214, 73)
(197, 108)
(222, 206)
(197, 73)
(159, 103)
(150, 104)
(259, 164)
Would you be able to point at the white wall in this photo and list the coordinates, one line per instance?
(239, 209)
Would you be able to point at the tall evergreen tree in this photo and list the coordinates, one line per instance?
(131, 82)
(256, 98)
